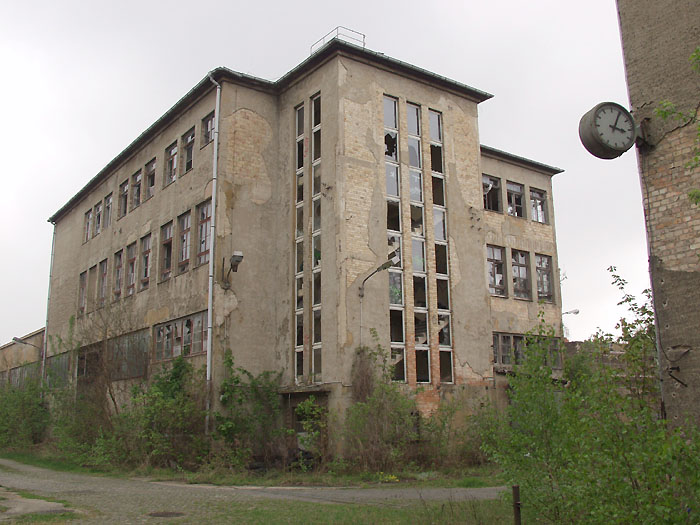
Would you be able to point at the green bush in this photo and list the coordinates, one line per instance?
(24, 419)
(250, 425)
(591, 448)
(381, 426)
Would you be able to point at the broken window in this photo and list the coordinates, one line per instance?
(102, 285)
(123, 198)
(300, 292)
(136, 190)
(299, 364)
(439, 224)
(390, 116)
(82, 293)
(507, 348)
(130, 268)
(441, 259)
(438, 191)
(316, 251)
(443, 294)
(418, 252)
(393, 216)
(108, 211)
(423, 366)
(444, 334)
(391, 151)
(185, 336)
(436, 158)
(421, 327)
(392, 180)
(316, 364)
(300, 329)
(316, 145)
(492, 193)
(398, 364)
(420, 296)
(87, 228)
(316, 209)
(98, 218)
(208, 129)
(166, 250)
(300, 187)
(317, 326)
(188, 147)
(543, 264)
(203, 234)
(416, 185)
(300, 153)
(170, 164)
(396, 288)
(515, 199)
(394, 245)
(316, 179)
(446, 366)
(183, 249)
(396, 326)
(317, 288)
(538, 205)
(118, 274)
(299, 117)
(417, 220)
(150, 179)
(521, 274)
(300, 256)
(435, 126)
(145, 261)
(300, 220)
(496, 269)
(316, 108)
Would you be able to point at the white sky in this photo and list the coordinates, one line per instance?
(81, 80)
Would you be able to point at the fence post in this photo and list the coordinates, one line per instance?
(516, 505)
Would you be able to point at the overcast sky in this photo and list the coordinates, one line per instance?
(81, 80)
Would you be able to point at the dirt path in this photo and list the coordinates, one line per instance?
(114, 500)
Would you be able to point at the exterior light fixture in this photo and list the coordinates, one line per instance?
(234, 261)
(575, 311)
(394, 259)
(18, 340)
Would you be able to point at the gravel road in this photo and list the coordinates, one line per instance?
(117, 500)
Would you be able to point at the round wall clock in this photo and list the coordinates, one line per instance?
(607, 130)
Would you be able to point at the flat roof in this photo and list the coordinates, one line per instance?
(333, 48)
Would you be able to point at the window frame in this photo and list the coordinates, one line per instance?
(492, 264)
(522, 286)
(497, 198)
(515, 198)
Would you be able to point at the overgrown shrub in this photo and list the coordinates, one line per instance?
(591, 448)
(24, 418)
(379, 429)
(251, 423)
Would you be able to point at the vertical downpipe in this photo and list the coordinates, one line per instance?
(48, 301)
(212, 242)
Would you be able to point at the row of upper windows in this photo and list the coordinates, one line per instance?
(131, 269)
(141, 186)
(515, 199)
(520, 270)
(508, 348)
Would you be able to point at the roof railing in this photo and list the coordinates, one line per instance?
(341, 33)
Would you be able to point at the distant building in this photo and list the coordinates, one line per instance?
(658, 38)
(320, 177)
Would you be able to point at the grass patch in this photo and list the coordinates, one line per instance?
(46, 460)
(3, 508)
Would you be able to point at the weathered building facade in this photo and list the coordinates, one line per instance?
(317, 179)
(658, 39)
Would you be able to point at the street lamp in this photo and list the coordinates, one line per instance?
(384, 266)
(575, 311)
(18, 340)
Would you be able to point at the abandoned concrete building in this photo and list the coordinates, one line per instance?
(348, 203)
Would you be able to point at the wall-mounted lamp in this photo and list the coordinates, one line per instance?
(18, 340)
(234, 261)
(394, 258)
(575, 311)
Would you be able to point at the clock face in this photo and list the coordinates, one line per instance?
(614, 127)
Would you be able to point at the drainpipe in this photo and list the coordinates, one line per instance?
(212, 241)
(48, 300)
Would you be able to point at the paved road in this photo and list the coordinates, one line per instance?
(114, 500)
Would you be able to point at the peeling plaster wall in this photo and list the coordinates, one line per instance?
(658, 38)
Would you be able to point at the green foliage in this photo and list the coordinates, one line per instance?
(379, 428)
(253, 410)
(313, 418)
(694, 196)
(24, 418)
(590, 448)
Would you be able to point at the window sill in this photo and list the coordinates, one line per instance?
(494, 211)
(186, 172)
(499, 296)
(525, 299)
(205, 145)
